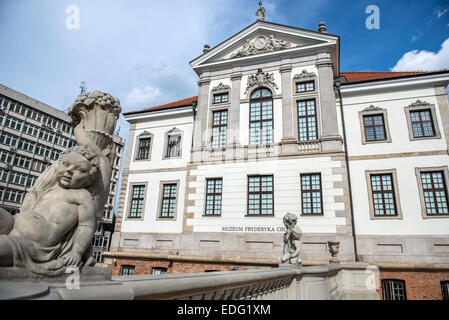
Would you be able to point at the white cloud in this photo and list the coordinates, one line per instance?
(142, 96)
(424, 60)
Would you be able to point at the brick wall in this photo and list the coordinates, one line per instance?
(419, 285)
(146, 266)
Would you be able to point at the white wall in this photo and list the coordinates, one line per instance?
(287, 194)
(394, 101)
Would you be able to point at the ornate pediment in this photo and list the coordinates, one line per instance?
(304, 75)
(261, 44)
(259, 79)
(372, 108)
(419, 103)
(221, 87)
(145, 133)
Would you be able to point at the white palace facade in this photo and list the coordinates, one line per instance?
(360, 158)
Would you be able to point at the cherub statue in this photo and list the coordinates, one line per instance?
(292, 236)
(59, 215)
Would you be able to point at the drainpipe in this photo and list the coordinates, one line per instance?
(337, 84)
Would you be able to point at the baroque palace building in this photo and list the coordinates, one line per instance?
(32, 136)
(360, 158)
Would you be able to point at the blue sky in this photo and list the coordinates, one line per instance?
(139, 50)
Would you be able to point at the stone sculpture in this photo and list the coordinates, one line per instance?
(334, 249)
(261, 44)
(260, 12)
(292, 237)
(259, 79)
(59, 215)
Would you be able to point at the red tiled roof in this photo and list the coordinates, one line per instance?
(179, 103)
(353, 76)
(369, 75)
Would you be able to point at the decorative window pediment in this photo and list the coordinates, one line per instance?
(260, 79)
(372, 108)
(145, 133)
(221, 87)
(419, 103)
(304, 75)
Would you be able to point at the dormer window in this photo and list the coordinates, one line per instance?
(221, 97)
(305, 86)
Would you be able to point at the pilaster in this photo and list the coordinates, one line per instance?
(331, 139)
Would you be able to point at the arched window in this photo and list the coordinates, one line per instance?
(261, 117)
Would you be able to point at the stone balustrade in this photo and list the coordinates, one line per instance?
(309, 146)
(333, 281)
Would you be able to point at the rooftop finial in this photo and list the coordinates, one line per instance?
(260, 12)
(322, 27)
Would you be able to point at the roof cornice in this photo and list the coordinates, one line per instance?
(432, 78)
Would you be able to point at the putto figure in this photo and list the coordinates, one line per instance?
(292, 237)
(59, 215)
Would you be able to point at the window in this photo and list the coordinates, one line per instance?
(219, 128)
(30, 129)
(31, 180)
(3, 175)
(5, 156)
(261, 117)
(393, 290)
(383, 195)
(21, 161)
(144, 148)
(422, 125)
(260, 195)
(311, 194)
(374, 127)
(305, 86)
(42, 150)
(127, 270)
(422, 121)
(26, 145)
(38, 166)
(17, 178)
(445, 289)
(434, 192)
(8, 139)
(221, 97)
(13, 123)
(3, 102)
(13, 195)
(307, 123)
(159, 270)
(213, 197)
(137, 201)
(173, 146)
(168, 207)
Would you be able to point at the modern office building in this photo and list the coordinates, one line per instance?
(32, 136)
(360, 158)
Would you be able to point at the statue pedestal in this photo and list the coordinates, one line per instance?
(23, 275)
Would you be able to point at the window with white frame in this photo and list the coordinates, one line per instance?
(393, 289)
